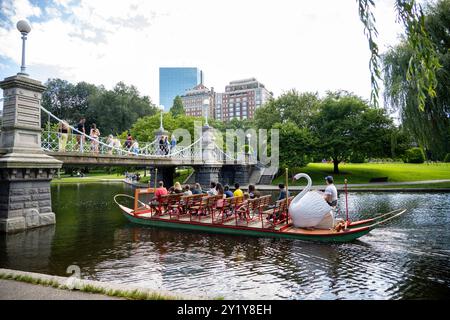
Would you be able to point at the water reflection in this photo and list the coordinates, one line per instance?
(28, 249)
(408, 258)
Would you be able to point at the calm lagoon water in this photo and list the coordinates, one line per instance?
(408, 258)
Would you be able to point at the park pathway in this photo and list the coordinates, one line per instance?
(16, 290)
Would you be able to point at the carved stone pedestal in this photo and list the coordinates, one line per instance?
(25, 171)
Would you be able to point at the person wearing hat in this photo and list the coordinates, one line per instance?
(330, 195)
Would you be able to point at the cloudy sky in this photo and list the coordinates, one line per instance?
(303, 44)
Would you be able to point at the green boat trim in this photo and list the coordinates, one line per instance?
(353, 231)
(343, 236)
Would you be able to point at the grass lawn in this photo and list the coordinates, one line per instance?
(363, 172)
(90, 177)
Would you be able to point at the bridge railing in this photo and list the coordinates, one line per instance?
(78, 142)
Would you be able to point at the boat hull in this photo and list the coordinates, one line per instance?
(343, 236)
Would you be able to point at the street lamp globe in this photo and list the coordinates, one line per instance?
(23, 26)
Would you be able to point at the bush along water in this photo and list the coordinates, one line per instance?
(414, 155)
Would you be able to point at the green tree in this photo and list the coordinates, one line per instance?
(347, 125)
(116, 110)
(290, 106)
(144, 128)
(112, 110)
(423, 64)
(177, 107)
(66, 100)
(296, 145)
(430, 125)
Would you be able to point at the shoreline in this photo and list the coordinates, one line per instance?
(74, 286)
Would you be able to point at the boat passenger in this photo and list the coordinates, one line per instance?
(227, 192)
(252, 192)
(237, 192)
(177, 188)
(212, 191)
(282, 194)
(330, 195)
(197, 189)
(187, 190)
(220, 190)
(160, 191)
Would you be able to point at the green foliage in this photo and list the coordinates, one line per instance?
(177, 107)
(113, 111)
(429, 124)
(447, 157)
(296, 145)
(423, 65)
(414, 155)
(144, 128)
(290, 106)
(357, 157)
(346, 124)
(66, 100)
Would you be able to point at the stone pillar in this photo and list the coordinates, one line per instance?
(242, 174)
(25, 171)
(227, 174)
(167, 175)
(206, 173)
(210, 169)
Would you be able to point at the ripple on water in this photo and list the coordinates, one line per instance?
(407, 258)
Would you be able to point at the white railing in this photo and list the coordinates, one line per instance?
(78, 142)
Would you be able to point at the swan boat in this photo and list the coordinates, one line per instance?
(236, 216)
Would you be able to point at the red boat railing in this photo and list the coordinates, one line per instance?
(220, 210)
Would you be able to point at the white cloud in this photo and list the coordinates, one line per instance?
(311, 46)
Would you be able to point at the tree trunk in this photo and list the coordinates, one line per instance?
(336, 166)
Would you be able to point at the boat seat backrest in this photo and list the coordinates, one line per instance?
(237, 200)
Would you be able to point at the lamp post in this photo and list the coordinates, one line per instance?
(24, 28)
(206, 105)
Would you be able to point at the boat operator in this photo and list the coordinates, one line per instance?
(330, 195)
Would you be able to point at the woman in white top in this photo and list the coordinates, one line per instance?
(95, 134)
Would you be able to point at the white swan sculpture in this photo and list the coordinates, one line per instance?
(309, 209)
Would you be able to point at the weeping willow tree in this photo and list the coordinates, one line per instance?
(416, 72)
(423, 63)
(429, 123)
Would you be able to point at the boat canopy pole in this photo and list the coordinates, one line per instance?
(287, 196)
(346, 200)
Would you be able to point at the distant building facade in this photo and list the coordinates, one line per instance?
(241, 99)
(175, 81)
(193, 101)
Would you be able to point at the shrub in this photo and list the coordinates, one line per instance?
(357, 158)
(414, 155)
(447, 158)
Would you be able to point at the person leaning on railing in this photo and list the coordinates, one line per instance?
(63, 134)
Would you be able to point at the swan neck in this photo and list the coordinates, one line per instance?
(306, 189)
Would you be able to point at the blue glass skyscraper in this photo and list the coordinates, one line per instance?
(175, 81)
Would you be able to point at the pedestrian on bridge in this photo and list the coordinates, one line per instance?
(173, 143)
(63, 134)
(166, 145)
(94, 134)
(161, 145)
